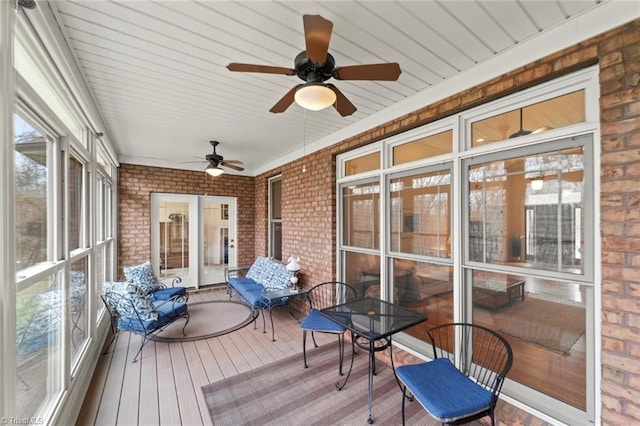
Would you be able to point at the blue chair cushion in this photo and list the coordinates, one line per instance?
(315, 321)
(167, 312)
(443, 390)
(167, 293)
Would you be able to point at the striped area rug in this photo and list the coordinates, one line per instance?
(285, 393)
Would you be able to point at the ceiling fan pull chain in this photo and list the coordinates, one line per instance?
(304, 139)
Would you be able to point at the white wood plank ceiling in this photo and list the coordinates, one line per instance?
(157, 69)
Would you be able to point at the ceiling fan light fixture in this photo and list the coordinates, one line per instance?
(315, 96)
(214, 170)
(537, 183)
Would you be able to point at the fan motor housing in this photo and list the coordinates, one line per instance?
(308, 70)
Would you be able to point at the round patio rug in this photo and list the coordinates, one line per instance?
(208, 319)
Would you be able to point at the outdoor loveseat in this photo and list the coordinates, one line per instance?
(250, 281)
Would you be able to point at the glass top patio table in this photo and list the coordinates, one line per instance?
(372, 320)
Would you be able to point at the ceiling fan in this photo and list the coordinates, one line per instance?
(314, 66)
(216, 161)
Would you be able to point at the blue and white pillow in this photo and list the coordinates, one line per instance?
(270, 273)
(256, 271)
(143, 276)
(128, 299)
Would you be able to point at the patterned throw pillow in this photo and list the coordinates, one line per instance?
(256, 272)
(276, 276)
(128, 299)
(143, 276)
(270, 273)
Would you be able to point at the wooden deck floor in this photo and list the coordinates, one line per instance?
(164, 386)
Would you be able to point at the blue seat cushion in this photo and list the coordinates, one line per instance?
(167, 293)
(167, 312)
(245, 283)
(251, 296)
(443, 390)
(315, 321)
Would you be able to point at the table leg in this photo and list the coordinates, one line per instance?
(264, 324)
(372, 366)
(273, 330)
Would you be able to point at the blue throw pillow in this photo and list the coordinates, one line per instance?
(143, 276)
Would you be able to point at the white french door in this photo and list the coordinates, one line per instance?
(193, 237)
(217, 237)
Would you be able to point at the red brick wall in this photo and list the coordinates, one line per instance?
(309, 199)
(308, 215)
(135, 185)
(619, 53)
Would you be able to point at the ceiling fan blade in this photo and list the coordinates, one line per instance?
(388, 71)
(233, 161)
(234, 66)
(285, 101)
(317, 34)
(231, 166)
(342, 104)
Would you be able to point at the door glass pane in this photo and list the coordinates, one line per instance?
(174, 238)
(38, 344)
(216, 241)
(528, 211)
(544, 321)
(361, 215)
(420, 213)
(31, 195)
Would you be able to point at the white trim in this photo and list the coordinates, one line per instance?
(7, 252)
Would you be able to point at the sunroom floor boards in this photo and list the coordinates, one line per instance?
(164, 386)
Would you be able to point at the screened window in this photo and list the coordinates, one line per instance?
(78, 324)
(40, 294)
(275, 217)
(76, 201)
(32, 159)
